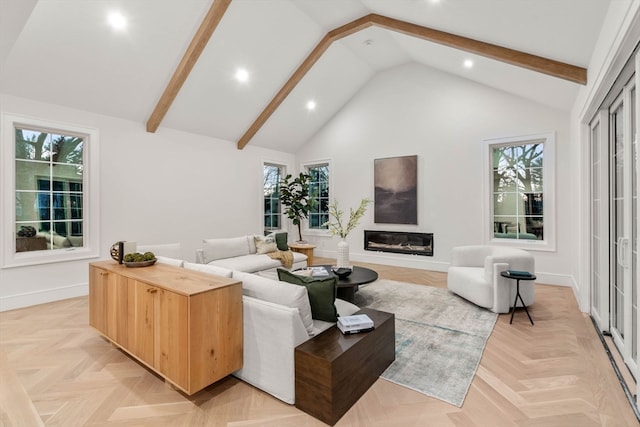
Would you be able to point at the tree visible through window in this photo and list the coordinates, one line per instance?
(272, 208)
(319, 188)
(518, 196)
(49, 171)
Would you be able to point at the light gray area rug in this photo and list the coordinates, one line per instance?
(440, 337)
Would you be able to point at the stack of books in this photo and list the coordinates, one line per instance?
(319, 271)
(355, 324)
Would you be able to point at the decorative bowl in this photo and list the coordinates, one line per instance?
(140, 263)
(342, 272)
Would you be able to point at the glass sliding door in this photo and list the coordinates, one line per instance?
(619, 204)
(614, 219)
(599, 218)
(623, 218)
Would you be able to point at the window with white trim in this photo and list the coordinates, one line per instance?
(319, 190)
(521, 190)
(47, 215)
(272, 208)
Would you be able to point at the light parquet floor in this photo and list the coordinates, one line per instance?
(57, 371)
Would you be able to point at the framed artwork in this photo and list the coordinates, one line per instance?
(396, 190)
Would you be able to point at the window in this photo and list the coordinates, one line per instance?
(272, 209)
(319, 189)
(46, 169)
(521, 182)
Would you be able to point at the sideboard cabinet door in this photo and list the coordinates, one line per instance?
(142, 313)
(98, 279)
(172, 349)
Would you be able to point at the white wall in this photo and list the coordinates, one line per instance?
(155, 188)
(443, 119)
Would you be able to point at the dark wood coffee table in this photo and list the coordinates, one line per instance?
(347, 287)
(333, 370)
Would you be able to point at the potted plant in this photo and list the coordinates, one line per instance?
(296, 198)
(337, 227)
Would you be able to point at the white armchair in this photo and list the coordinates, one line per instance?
(474, 274)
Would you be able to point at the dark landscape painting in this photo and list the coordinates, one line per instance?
(396, 190)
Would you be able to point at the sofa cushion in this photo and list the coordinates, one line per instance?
(248, 263)
(214, 249)
(208, 268)
(277, 292)
(171, 250)
(322, 293)
(252, 244)
(257, 262)
(265, 244)
(169, 261)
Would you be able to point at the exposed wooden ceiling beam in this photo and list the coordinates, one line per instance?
(191, 55)
(303, 69)
(510, 56)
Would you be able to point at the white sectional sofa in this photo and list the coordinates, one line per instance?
(277, 315)
(240, 254)
(276, 318)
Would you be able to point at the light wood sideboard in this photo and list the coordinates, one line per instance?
(184, 325)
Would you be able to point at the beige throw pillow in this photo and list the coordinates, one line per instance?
(265, 244)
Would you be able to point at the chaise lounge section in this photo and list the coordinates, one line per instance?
(242, 254)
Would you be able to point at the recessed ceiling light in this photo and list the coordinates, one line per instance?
(117, 21)
(468, 63)
(311, 105)
(242, 75)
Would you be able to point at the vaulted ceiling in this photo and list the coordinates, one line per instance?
(63, 52)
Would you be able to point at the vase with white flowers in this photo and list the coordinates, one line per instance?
(337, 227)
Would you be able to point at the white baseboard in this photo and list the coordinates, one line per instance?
(426, 263)
(12, 302)
(554, 279)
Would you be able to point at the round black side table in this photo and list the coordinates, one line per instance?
(517, 278)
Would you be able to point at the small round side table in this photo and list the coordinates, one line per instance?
(517, 278)
(304, 248)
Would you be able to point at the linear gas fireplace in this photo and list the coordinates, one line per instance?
(399, 242)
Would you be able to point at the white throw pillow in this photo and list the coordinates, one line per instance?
(283, 293)
(265, 244)
(209, 269)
